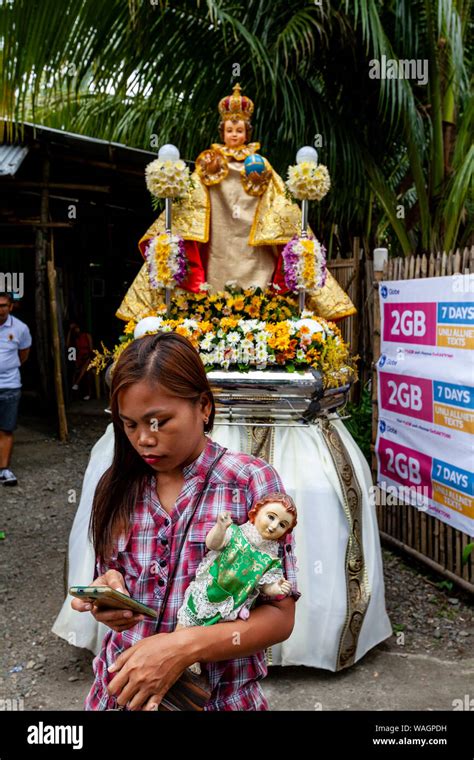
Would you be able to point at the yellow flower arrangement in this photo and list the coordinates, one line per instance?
(267, 332)
(166, 260)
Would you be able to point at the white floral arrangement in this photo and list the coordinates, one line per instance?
(244, 344)
(167, 179)
(308, 181)
(243, 330)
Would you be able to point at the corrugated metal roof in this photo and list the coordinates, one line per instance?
(92, 147)
(11, 158)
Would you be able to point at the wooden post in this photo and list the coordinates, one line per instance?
(58, 379)
(359, 319)
(380, 260)
(41, 312)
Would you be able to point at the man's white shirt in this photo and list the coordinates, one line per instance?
(14, 337)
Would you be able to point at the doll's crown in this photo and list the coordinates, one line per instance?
(236, 106)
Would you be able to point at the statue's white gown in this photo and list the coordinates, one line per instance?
(304, 463)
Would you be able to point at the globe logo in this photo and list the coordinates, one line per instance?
(382, 360)
(382, 426)
(384, 291)
(254, 163)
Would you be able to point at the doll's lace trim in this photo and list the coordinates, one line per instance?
(262, 544)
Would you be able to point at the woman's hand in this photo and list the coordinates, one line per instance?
(118, 620)
(146, 671)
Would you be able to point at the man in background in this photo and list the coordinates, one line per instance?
(15, 343)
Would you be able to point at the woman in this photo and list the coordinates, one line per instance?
(162, 407)
(82, 343)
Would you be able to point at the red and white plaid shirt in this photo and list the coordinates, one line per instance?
(147, 553)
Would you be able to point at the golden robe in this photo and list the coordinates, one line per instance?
(238, 235)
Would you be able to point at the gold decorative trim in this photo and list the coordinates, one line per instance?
(237, 154)
(202, 162)
(349, 313)
(261, 441)
(357, 584)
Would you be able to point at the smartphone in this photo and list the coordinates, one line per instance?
(104, 596)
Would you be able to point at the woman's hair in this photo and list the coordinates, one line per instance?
(166, 358)
(248, 129)
(282, 498)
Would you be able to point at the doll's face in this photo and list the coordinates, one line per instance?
(272, 520)
(234, 133)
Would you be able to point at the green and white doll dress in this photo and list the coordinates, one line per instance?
(231, 578)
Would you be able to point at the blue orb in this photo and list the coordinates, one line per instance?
(254, 163)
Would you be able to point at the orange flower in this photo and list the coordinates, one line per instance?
(253, 311)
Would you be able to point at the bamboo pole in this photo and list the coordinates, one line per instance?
(380, 262)
(431, 265)
(355, 331)
(41, 312)
(391, 541)
(58, 379)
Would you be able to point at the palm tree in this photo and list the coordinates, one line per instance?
(149, 72)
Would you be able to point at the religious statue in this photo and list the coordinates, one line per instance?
(242, 563)
(234, 221)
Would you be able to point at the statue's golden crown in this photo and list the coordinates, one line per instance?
(236, 106)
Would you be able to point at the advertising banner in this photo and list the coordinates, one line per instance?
(425, 438)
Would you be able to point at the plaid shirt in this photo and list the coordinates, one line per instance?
(145, 555)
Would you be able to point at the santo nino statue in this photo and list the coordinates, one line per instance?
(234, 225)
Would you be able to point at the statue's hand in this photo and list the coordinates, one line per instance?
(213, 162)
(224, 520)
(260, 178)
(285, 586)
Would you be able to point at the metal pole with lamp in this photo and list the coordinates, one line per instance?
(310, 155)
(168, 152)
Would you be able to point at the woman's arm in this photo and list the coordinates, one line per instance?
(144, 672)
(268, 624)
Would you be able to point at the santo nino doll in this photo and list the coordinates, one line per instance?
(242, 563)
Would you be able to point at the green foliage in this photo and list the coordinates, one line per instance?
(467, 551)
(398, 627)
(145, 73)
(445, 585)
(360, 422)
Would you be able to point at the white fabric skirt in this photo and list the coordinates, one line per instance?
(302, 458)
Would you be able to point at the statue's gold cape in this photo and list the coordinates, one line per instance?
(240, 240)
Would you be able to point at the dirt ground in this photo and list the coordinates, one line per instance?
(428, 663)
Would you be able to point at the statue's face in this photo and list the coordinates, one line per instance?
(234, 133)
(272, 520)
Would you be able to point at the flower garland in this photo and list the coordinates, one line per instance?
(304, 264)
(308, 181)
(294, 344)
(167, 179)
(166, 259)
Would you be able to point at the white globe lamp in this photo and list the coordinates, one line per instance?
(168, 152)
(147, 325)
(307, 153)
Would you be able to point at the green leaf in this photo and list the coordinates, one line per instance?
(466, 552)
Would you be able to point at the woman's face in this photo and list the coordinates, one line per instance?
(234, 133)
(165, 430)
